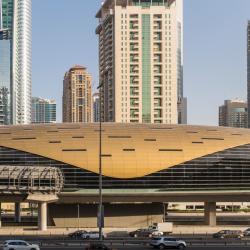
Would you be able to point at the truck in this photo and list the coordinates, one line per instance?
(164, 227)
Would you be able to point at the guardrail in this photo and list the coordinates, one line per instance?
(140, 242)
(145, 243)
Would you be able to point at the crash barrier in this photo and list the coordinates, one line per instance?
(45, 242)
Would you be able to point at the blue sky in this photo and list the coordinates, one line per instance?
(214, 50)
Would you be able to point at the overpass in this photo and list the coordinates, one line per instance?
(30, 184)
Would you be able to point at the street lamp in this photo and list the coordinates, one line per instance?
(78, 215)
(100, 218)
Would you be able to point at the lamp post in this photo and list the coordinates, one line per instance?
(78, 215)
(100, 207)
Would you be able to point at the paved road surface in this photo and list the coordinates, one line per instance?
(148, 248)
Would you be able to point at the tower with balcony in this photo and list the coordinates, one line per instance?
(140, 60)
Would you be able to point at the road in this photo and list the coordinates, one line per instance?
(197, 242)
(148, 248)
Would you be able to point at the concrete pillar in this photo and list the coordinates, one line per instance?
(210, 213)
(18, 212)
(42, 216)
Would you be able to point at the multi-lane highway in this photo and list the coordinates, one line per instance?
(148, 248)
(194, 242)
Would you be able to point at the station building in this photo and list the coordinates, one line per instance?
(145, 166)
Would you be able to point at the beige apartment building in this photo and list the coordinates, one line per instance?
(141, 61)
(77, 95)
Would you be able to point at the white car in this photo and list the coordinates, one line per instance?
(19, 245)
(247, 232)
(91, 236)
(167, 242)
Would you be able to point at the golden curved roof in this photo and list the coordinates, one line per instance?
(129, 150)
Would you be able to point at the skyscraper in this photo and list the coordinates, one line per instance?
(233, 114)
(96, 107)
(15, 61)
(77, 95)
(248, 71)
(141, 60)
(43, 110)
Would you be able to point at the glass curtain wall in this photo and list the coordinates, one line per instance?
(6, 27)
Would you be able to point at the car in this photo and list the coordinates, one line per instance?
(98, 246)
(167, 242)
(77, 234)
(247, 232)
(228, 234)
(91, 235)
(148, 232)
(19, 245)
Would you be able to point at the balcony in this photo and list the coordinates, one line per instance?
(134, 102)
(134, 80)
(134, 113)
(134, 58)
(134, 48)
(158, 102)
(157, 36)
(157, 69)
(134, 69)
(157, 25)
(133, 25)
(110, 96)
(157, 58)
(134, 91)
(157, 113)
(110, 105)
(157, 91)
(157, 47)
(134, 36)
(158, 80)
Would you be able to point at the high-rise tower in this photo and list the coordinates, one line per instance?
(233, 114)
(248, 72)
(77, 95)
(15, 61)
(43, 110)
(141, 61)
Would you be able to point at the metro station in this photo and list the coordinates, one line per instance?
(144, 166)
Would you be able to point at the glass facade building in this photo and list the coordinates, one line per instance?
(6, 15)
(5, 82)
(6, 27)
(225, 170)
(142, 158)
(43, 111)
(146, 164)
(248, 71)
(96, 107)
(233, 114)
(15, 61)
